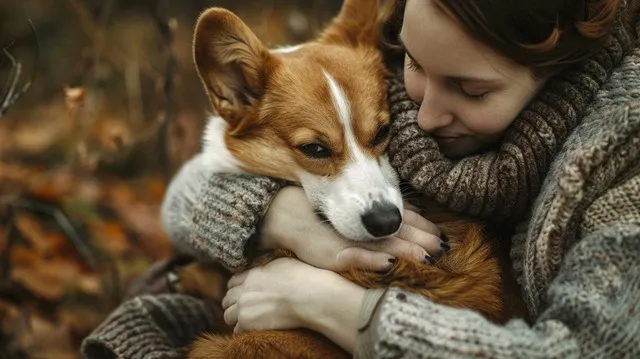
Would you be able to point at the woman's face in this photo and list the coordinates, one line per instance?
(468, 94)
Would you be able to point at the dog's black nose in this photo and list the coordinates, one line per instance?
(382, 219)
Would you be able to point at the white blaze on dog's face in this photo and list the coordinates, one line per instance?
(316, 115)
(362, 199)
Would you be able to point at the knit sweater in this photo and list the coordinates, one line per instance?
(568, 169)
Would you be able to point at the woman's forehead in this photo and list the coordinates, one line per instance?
(440, 45)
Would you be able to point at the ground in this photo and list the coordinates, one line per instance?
(106, 106)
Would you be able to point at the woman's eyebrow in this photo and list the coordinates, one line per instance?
(405, 48)
(456, 78)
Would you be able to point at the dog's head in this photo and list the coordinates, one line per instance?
(315, 114)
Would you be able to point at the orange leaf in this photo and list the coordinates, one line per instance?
(47, 279)
(31, 229)
(112, 237)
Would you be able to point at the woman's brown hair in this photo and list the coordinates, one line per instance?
(544, 35)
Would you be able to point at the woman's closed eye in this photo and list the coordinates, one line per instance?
(470, 93)
(412, 65)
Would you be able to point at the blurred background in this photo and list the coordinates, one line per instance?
(99, 106)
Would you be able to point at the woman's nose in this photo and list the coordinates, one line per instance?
(433, 113)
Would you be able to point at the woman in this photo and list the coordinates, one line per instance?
(512, 111)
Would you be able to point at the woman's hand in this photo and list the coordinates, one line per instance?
(287, 294)
(292, 224)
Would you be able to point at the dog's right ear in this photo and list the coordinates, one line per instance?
(358, 23)
(233, 64)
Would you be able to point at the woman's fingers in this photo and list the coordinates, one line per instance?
(363, 258)
(231, 297)
(414, 219)
(431, 237)
(400, 248)
(427, 241)
(231, 315)
(237, 279)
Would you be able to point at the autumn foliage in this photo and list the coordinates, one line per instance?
(112, 106)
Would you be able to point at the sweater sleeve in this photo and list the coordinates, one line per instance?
(592, 311)
(151, 326)
(216, 215)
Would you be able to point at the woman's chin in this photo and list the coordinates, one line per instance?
(463, 147)
(455, 149)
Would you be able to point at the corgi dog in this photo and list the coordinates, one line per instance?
(317, 115)
(313, 114)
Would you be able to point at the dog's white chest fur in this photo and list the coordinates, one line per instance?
(217, 156)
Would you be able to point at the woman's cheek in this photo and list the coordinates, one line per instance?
(491, 119)
(414, 83)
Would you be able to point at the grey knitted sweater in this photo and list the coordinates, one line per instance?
(568, 170)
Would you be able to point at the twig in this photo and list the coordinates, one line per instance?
(167, 30)
(11, 96)
(64, 224)
(14, 75)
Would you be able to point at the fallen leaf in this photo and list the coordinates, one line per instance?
(31, 229)
(41, 338)
(111, 236)
(53, 186)
(74, 98)
(80, 320)
(47, 279)
(89, 284)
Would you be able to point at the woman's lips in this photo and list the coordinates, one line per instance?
(447, 139)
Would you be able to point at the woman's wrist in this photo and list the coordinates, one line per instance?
(274, 231)
(333, 311)
(284, 221)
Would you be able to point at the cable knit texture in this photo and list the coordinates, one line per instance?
(150, 327)
(570, 164)
(215, 215)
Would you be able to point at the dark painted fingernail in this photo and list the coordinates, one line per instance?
(389, 266)
(445, 246)
(444, 237)
(429, 260)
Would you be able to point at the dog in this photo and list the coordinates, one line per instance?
(317, 115)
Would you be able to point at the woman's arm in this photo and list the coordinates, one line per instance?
(592, 311)
(216, 215)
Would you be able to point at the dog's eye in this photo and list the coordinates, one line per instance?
(382, 135)
(315, 150)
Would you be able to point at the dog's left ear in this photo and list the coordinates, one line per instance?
(358, 23)
(233, 64)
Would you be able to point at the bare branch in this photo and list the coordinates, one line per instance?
(167, 29)
(11, 95)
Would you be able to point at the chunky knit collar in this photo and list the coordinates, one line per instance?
(501, 185)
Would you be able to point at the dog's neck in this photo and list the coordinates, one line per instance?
(217, 156)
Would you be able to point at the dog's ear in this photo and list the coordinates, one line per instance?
(233, 64)
(358, 23)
